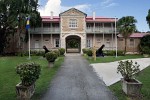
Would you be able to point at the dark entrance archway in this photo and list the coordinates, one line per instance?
(73, 44)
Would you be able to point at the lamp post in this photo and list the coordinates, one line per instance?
(116, 36)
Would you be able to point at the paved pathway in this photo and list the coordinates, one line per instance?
(108, 71)
(76, 80)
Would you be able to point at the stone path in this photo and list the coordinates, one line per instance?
(108, 71)
(76, 80)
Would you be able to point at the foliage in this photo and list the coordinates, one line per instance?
(13, 15)
(144, 78)
(62, 51)
(57, 52)
(28, 72)
(128, 69)
(113, 52)
(145, 44)
(85, 50)
(33, 53)
(148, 18)
(51, 56)
(126, 26)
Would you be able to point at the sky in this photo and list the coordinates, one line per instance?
(106, 8)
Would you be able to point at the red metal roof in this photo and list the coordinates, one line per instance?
(100, 19)
(135, 35)
(88, 19)
(47, 19)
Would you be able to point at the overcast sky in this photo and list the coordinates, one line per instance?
(107, 8)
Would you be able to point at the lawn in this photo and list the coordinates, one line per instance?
(112, 58)
(9, 78)
(144, 77)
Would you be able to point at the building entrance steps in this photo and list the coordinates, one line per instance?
(76, 80)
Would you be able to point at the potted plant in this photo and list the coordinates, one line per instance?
(29, 73)
(51, 56)
(130, 85)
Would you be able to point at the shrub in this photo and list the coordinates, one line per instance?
(62, 51)
(145, 50)
(89, 52)
(28, 72)
(145, 44)
(84, 50)
(128, 69)
(57, 52)
(113, 52)
(51, 56)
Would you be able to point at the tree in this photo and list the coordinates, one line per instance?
(126, 26)
(13, 15)
(148, 18)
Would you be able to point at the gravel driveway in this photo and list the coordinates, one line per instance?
(77, 81)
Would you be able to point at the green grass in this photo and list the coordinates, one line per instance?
(9, 78)
(144, 77)
(111, 58)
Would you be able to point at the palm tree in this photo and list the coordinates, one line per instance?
(148, 18)
(126, 26)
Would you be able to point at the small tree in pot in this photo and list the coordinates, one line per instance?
(130, 85)
(29, 73)
(51, 56)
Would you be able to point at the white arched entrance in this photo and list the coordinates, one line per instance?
(79, 39)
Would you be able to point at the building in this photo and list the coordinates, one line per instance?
(74, 30)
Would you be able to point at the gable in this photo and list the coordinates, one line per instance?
(73, 12)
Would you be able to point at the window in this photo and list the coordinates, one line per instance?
(89, 44)
(131, 42)
(56, 42)
(73, 23)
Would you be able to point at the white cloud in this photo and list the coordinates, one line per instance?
(51, 5)
(108, 3)
(57, 8)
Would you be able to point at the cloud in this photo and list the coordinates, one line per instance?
(57, 8)
(108, 3)
(51, 5)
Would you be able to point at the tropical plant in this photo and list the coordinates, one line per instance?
(126, 26)
(28, 72)
(148, 18)
(128, 69)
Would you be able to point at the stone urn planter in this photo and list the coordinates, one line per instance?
(29, 73)
(131, 88)
(51, 57)
(24, 92)
(130, 85)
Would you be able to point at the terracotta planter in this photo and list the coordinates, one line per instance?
(24, 92)
(131, 88)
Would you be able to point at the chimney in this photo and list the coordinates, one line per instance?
(51, 14)
(93, 15)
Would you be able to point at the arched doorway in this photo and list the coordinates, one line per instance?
(73, 44)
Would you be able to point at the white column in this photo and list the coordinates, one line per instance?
(116, 37)
(103, 34)
(112, 36)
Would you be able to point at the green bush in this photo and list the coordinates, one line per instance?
(33, 53)
(28, 72)
(57, 52)
(51, 56)
(89, 52)
(62, 51)
(84, 50)
(128, 69)
(145, 44)
(113, 52)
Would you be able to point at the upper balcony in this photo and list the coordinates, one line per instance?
(45, 30)
(98, 30)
